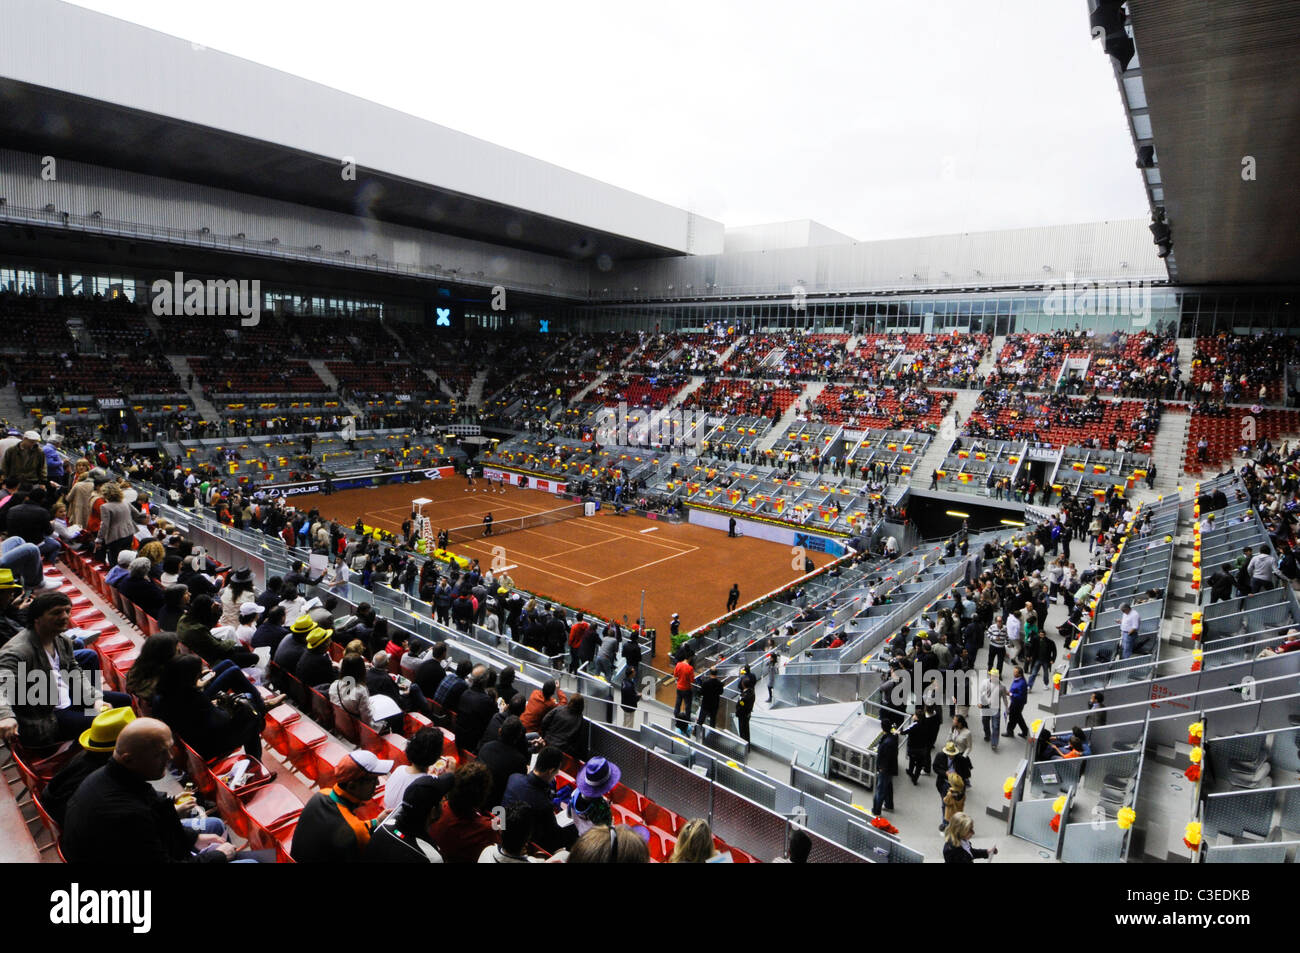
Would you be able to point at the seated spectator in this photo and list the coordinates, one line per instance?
(799, 849)
(562, 728)
(315, 670)
(116, 817)
(119, 572)
(451, 687)
(97, 743)
(247, 627)
(515, 708)
(609, 845)
(143, 677)
(140, 589)
(186, 700)
(238, 590)
(68, 700)
(329, 830)
(430, 672)
(503, 756)
(515, 838)
(176, 602)
(424, 752)
(270, 632)
(474, 710)
(586, 802)
(536, 791)
(195, 633)
(540, 702)
(695, 845)
(406, 835)
(463, 831)
(29, 520)
(291, 650)
(349, 692)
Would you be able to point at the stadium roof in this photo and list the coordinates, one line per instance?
(81, 85)
(1213, 83)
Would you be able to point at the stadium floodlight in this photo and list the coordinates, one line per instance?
(1109, 18)
(1162, 234)
(1146, 157)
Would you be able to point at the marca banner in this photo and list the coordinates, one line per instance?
(382, 478)
(526, 480)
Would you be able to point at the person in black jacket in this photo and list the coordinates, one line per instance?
(271, 632)
(429, 673)
(957, 848)
(886, 771)
(536, 791)
(474, 710)
(97, 744)
(1221, 584)
(562, 728)
(710, 690)
(514, 707)
(745, 707)
(117, 817)
(176, 601)
(314, 667)
(404, 837)
(189, 709)
(140, 589)
(503, 757)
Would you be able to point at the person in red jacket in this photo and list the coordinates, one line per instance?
(685, 673)
(577, 633)
(540, 702)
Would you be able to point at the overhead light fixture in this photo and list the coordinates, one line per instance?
(1109, 18)
(1011, 523)
(1146, 157)
(1162, 235)
(958, 513)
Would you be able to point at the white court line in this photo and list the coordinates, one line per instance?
(652, 529)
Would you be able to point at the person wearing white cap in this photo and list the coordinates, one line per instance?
(329, 830)
(25, 460)
(248, 621)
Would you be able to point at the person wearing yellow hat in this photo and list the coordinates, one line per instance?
(290, 651)
(315, 667)
(97, 743)
(10, 588)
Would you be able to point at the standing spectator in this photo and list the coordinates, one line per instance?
(886, 771)
(684, 671)
(1019, 693)
(710, 697)
(745, 706)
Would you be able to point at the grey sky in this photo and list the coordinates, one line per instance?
(878, 118)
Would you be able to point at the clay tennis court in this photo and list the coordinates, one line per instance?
(599, 563)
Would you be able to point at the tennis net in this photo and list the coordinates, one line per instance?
(458, 534)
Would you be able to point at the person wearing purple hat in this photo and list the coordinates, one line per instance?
(587, 803)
